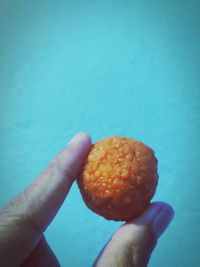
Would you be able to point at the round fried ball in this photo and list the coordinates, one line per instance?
(118, 178)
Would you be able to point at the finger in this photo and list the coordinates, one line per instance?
(40, 202)
(41, 256)
(24, 219)
(158, 216)
(134, 241)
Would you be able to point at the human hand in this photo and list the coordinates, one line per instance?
(134, 242)
(25, 218)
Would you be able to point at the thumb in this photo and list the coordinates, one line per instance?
(134, 242)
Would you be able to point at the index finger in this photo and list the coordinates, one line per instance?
(42, 199)
(24, 219)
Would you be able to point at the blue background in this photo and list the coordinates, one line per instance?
(127, 68)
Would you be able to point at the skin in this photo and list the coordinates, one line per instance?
(25, 218)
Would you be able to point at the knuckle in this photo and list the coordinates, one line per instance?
(28, 222)
(21, 217)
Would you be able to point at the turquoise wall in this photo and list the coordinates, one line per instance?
(108, 67)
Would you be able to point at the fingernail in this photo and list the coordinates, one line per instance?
(162, 220)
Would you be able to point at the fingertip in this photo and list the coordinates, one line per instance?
(78, 147)
(154, 208)
(164, 207)
(87, 138)
(159, 215)
(161, 205)
(70, 159)
(81, 137)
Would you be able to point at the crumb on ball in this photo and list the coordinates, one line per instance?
(118, 178)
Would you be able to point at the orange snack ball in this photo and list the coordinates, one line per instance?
(118, 178)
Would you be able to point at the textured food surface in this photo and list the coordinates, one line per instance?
(119, 178)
